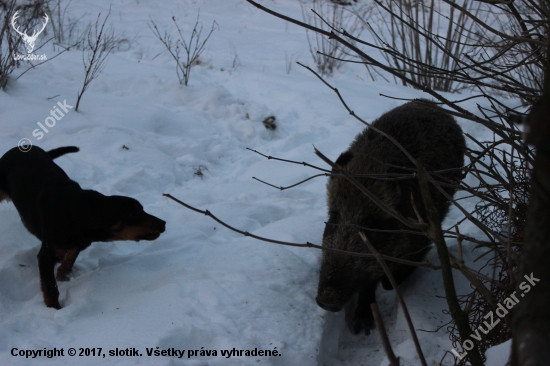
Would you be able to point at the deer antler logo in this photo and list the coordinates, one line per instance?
(29, 40)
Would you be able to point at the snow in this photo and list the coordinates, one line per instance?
(498, 355)
(201, 286)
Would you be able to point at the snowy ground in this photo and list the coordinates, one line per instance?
(200, 286)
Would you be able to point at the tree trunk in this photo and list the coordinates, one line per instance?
(531, 317)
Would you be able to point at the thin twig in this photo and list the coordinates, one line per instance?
(399, 297)
(394, 361)
(303, 245)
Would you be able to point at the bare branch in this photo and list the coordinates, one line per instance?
(399, 297)
(394, 361)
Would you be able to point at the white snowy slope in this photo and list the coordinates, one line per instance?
(200, 286)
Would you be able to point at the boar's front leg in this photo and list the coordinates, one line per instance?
(401, 272)
(360, 318)
(399, 277)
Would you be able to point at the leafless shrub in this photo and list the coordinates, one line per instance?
(68, 32)
(496, 49)
(289, 61)
(328, 54)
(236, 61)
(408, 32)
(477, 309)
(493, 63)
(192, 47)
(100, 42)
(503, 56)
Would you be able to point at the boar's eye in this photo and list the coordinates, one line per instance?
(333, 216)
(330, 229)
(344, 158)
(387, 224)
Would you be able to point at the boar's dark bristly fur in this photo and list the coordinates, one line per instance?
(428, 133)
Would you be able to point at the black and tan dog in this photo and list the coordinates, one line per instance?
(65, 217)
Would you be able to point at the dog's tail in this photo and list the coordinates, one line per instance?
(55, 153)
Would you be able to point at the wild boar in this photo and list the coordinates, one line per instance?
(428, 133)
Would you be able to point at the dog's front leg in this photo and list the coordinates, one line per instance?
(46, 264)
(67, 262)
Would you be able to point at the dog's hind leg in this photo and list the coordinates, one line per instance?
(67, 257)
(46, 264)
(3, 194)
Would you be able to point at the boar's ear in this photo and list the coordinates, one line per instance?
(344, 158)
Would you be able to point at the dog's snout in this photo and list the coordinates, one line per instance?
(160, 226)
(154, 223)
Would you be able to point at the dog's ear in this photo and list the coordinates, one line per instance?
(126, 209)
(98, 215)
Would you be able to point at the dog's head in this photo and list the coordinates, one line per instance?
(112, 218)
(131, 221)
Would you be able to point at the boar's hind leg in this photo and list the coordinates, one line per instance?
(360, 318)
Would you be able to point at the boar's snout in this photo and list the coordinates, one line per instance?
(328, 306)
(336, 286)
(330, 299)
